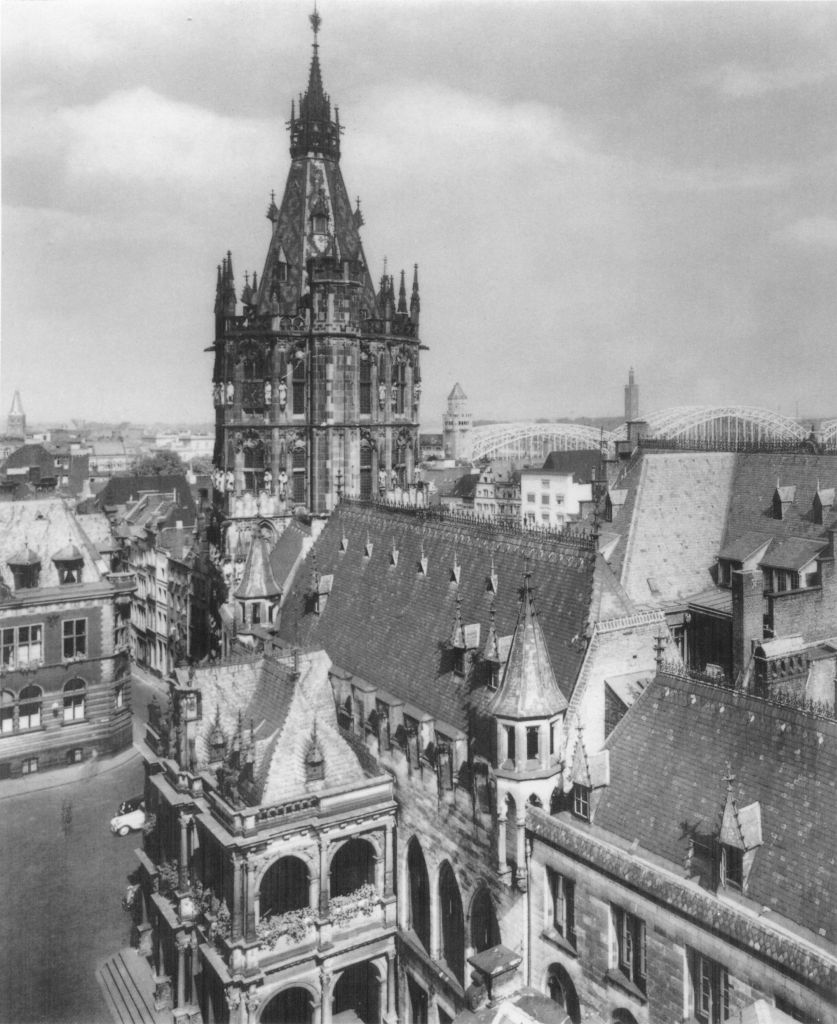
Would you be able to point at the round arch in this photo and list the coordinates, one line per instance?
(358, 989)
(452, 922)
(623, 1016)
(561, 990)
(484, 927)
(289, 1006)
(284, 886)
(352, 865)
(419, 889)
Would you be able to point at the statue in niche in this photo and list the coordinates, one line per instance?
(283, 485)
(382, 395)
(382, 482)
(268, 392)
(283, 394)
(217, 393)
(230, 392)
(229, 481)
(268, 481)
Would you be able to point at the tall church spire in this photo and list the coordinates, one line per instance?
(314, 131)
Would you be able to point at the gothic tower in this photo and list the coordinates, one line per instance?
(16, 420)
(316, 380)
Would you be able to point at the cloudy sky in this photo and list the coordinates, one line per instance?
(585, 187)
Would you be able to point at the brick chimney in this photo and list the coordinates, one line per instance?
(747, 617)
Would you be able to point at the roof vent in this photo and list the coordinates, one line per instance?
(783, 498)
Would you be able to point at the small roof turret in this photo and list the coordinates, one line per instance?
(529, 688)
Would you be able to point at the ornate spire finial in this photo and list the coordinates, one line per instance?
(316, 21)
(729, 778)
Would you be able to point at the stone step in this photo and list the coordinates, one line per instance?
(127, 991)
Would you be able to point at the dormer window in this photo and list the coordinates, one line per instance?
(732, 866)
(26, 569)
(581, 801)
(69, 562)
(459, 661)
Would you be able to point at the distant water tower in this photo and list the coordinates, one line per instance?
(631, 398)
(457, 425)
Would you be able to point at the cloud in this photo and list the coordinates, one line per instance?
(743, 81)
(142, 137)
(814, 232)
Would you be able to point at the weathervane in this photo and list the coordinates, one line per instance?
(316, 21)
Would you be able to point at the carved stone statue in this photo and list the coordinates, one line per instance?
(283, 485)
(230, 392)
(268, 392)
(283, 394)
(382, 395)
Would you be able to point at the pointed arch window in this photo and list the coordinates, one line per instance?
(253, 373)
(298, 472)
(298, 389)
(366, 470)
(399, 467)
(365, 386)
(399, 387)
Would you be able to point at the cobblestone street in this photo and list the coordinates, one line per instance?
(63, 880)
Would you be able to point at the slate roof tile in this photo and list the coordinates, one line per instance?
(390, 625)
(669, 755)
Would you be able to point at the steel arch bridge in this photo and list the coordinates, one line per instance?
(532, 441)
(829, 433)
(723, 424)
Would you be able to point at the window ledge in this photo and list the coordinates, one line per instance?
(556, 938)
(74, 721)
(617, 978)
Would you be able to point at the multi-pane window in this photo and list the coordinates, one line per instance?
(709, 989)
(7, 711)
(22, 645)
(365, 471)
(29, 708)
(298, 386)
(74, 700)
(254, 467)
(365, 387)
(544, 499)
(75, 637)
(561, 911)
(299, 476)
(581, 801)
(630, 945)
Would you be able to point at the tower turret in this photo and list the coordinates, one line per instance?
(16, 420)
(314, 131)
(415, 302)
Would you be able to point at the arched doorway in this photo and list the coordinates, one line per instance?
(292, 1006)
(419, 893)
(485, 932)
(562, 991)
(452, 922)
(353, 866)
(284, 887)
(359, 989)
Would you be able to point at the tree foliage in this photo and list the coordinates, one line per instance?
(162, 463)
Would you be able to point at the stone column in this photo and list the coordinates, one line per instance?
(250, 899)
(435, 925)
(325, 1006)
(391, 1008)
(237, 918)
(182, 942)
(183, 874)
(501, 840)
(389, 854)
(323, 877)
(403, 904)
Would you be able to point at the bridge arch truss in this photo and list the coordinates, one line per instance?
(532, 442)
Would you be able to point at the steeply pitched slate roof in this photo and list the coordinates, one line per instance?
(792, 552)
(48, 528)
(740, 548)
(584, 464)
(283, 712)
(257, 579)
(676, 524)
(754, 485)
(668, 757)
(528, 689)
(287, 551)
(391, 625)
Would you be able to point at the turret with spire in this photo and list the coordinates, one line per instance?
(16, 420)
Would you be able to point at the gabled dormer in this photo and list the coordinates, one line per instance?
(783, 498)
(823, 504)
(739, 838)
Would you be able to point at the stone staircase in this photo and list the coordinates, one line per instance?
(127, 985)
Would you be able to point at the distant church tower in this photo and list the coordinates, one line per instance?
(16, 420)
(317, 379)
(457, 425)
(631, 398)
